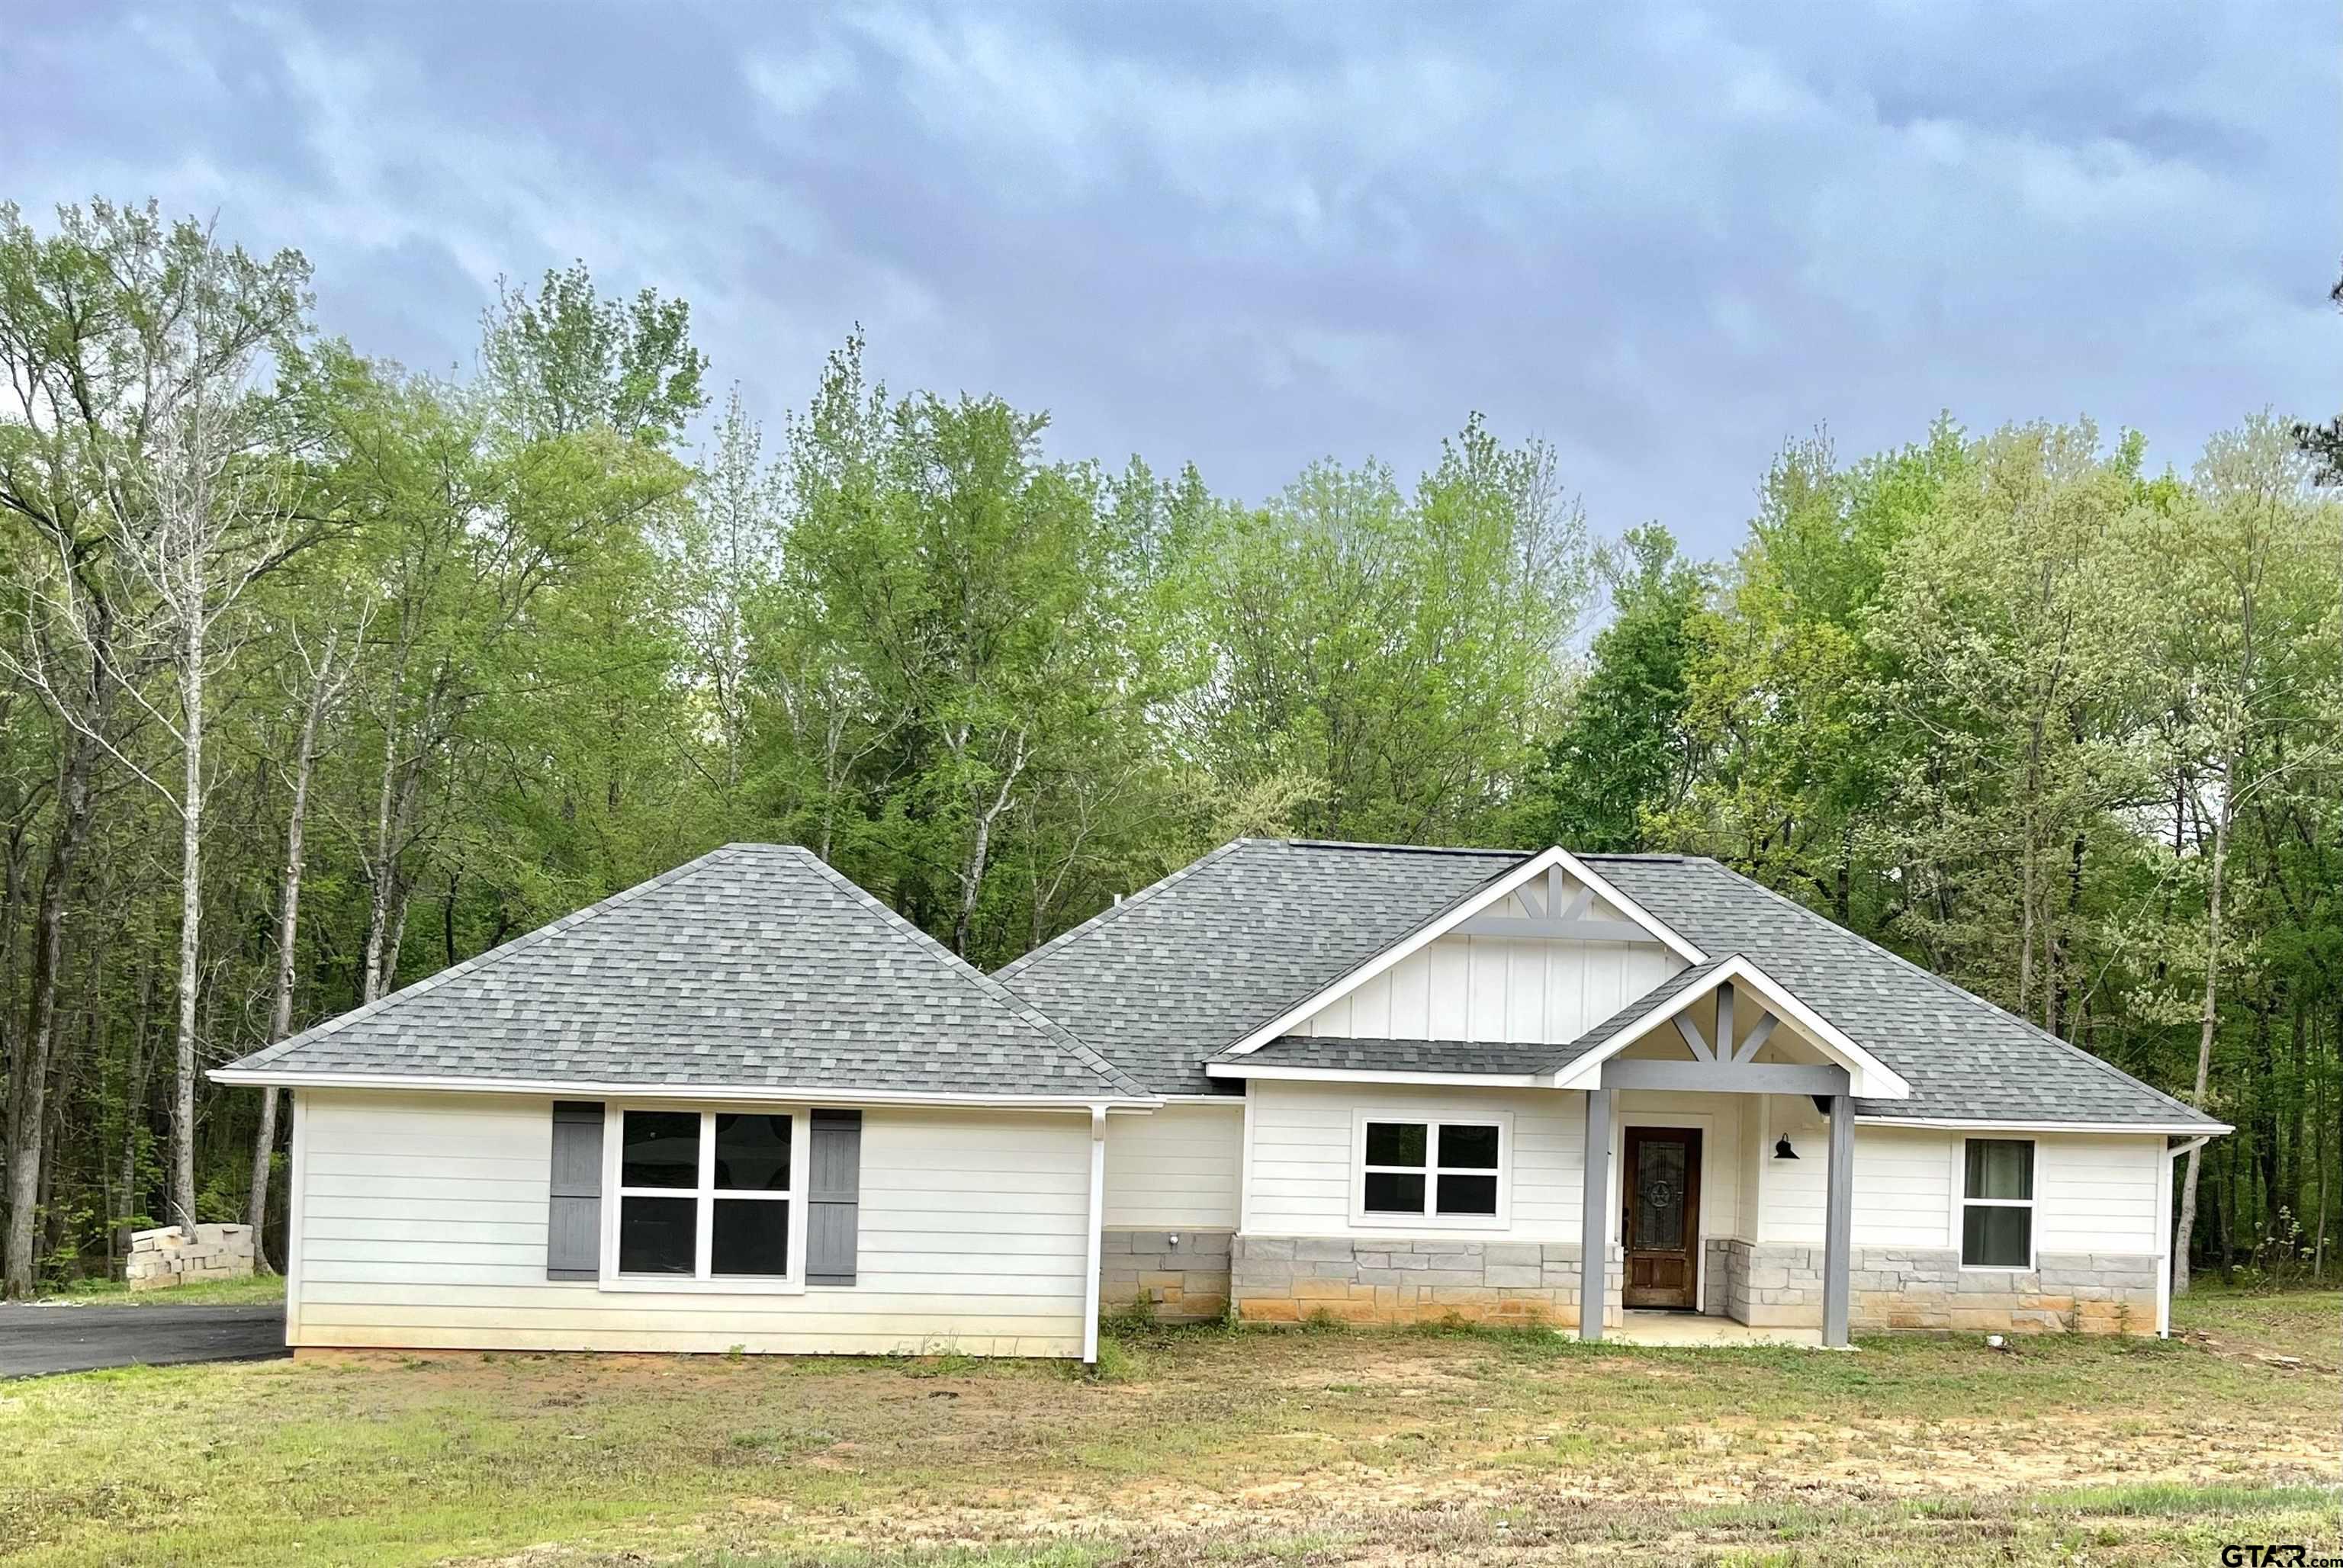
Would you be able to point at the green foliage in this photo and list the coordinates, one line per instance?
(1988, 699)
(1628, 755)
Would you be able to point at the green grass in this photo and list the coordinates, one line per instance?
(1201, 1446)
(256, 1290)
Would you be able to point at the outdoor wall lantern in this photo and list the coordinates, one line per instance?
(1782, 1149)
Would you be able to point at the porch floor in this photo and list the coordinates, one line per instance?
(1650, 1328)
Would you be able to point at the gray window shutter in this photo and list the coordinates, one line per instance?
(837, 1189)
(573, 1239)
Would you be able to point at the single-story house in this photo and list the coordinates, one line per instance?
(747, 1106)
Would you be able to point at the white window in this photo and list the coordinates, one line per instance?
(1998, 1204)
(706, 1200)
(1424, 1168)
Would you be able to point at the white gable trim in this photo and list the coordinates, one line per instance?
(1872, 1078)
(1494, 893)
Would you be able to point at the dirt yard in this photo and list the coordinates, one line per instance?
(1363, 1448)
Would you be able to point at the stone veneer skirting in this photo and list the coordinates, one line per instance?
(1285, 1279)
(1399, 1280)
(1182, 1275)
(1926, 1288)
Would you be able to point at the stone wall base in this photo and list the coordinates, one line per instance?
(1923, 1288)
(1370, 1279)
(169, 1256)
(1182, 1275)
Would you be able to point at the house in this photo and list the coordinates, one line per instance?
(746, 1105)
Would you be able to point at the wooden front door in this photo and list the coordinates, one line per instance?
(1663, 1221)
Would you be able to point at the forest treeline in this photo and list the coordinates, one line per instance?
(318, 674)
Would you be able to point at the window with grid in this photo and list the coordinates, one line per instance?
(705, 1194)
(1998, 1204)
(1435, 1168)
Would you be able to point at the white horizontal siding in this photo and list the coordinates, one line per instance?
(2093, 1192)
(1902, 1186)
(2096, 1194)
(1301, 1165)
(423, 1224)
(1175, 1169)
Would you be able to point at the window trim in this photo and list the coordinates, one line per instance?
(1962, 1203)
(1366, 1218)
(705, 1196)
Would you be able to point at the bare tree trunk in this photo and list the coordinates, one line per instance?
(971, 876)
(289, 927)
(191, 929)
(2187, 1230)
(28, 1074)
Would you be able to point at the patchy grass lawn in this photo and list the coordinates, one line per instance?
(257, 1290)
(1235, 1449)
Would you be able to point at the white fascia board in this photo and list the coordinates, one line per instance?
(1503, 888)
(1980, 1125)
(1362, 1075)
(575, 1088)
(1873, 1079)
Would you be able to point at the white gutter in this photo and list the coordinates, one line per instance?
(580, 1088)
(2189, 1129)
(1097, 1237)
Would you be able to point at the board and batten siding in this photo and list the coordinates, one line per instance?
(1175, 1169)
(422, 1224)
(1536, 991)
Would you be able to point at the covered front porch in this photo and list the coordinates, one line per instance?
(1699, 1109)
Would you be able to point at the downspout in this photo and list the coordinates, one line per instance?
(1096, 1238)
(2164, 1230)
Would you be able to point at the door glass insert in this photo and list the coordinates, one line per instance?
(1659, 1195)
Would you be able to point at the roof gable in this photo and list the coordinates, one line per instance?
(1871, 1078)
(1163, 982)
(1549, 901)
(756, 966)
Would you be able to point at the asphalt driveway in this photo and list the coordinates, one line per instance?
(36, 1341)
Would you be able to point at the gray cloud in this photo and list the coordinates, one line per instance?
(1666, 239)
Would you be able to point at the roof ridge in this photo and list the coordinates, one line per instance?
(1391, 849)
(927, 945)
(1960, 991)
(1034, 955)
(494, 955)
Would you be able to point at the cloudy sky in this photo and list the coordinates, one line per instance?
(1664, 239)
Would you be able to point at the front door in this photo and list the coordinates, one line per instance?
(1663, 1218)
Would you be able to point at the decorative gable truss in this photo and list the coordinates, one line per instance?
(1726, 1057)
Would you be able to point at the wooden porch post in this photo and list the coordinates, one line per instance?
(1594, 1218)
(1839, 1223)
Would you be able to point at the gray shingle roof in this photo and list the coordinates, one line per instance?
(1964, 1057)
(754, 966)
(1170, 977)
(1211, 952)
(1447, 1056)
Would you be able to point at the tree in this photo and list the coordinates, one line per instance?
(1628, 755)
(2250, 557)
(1394, 657)
(133, 353)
